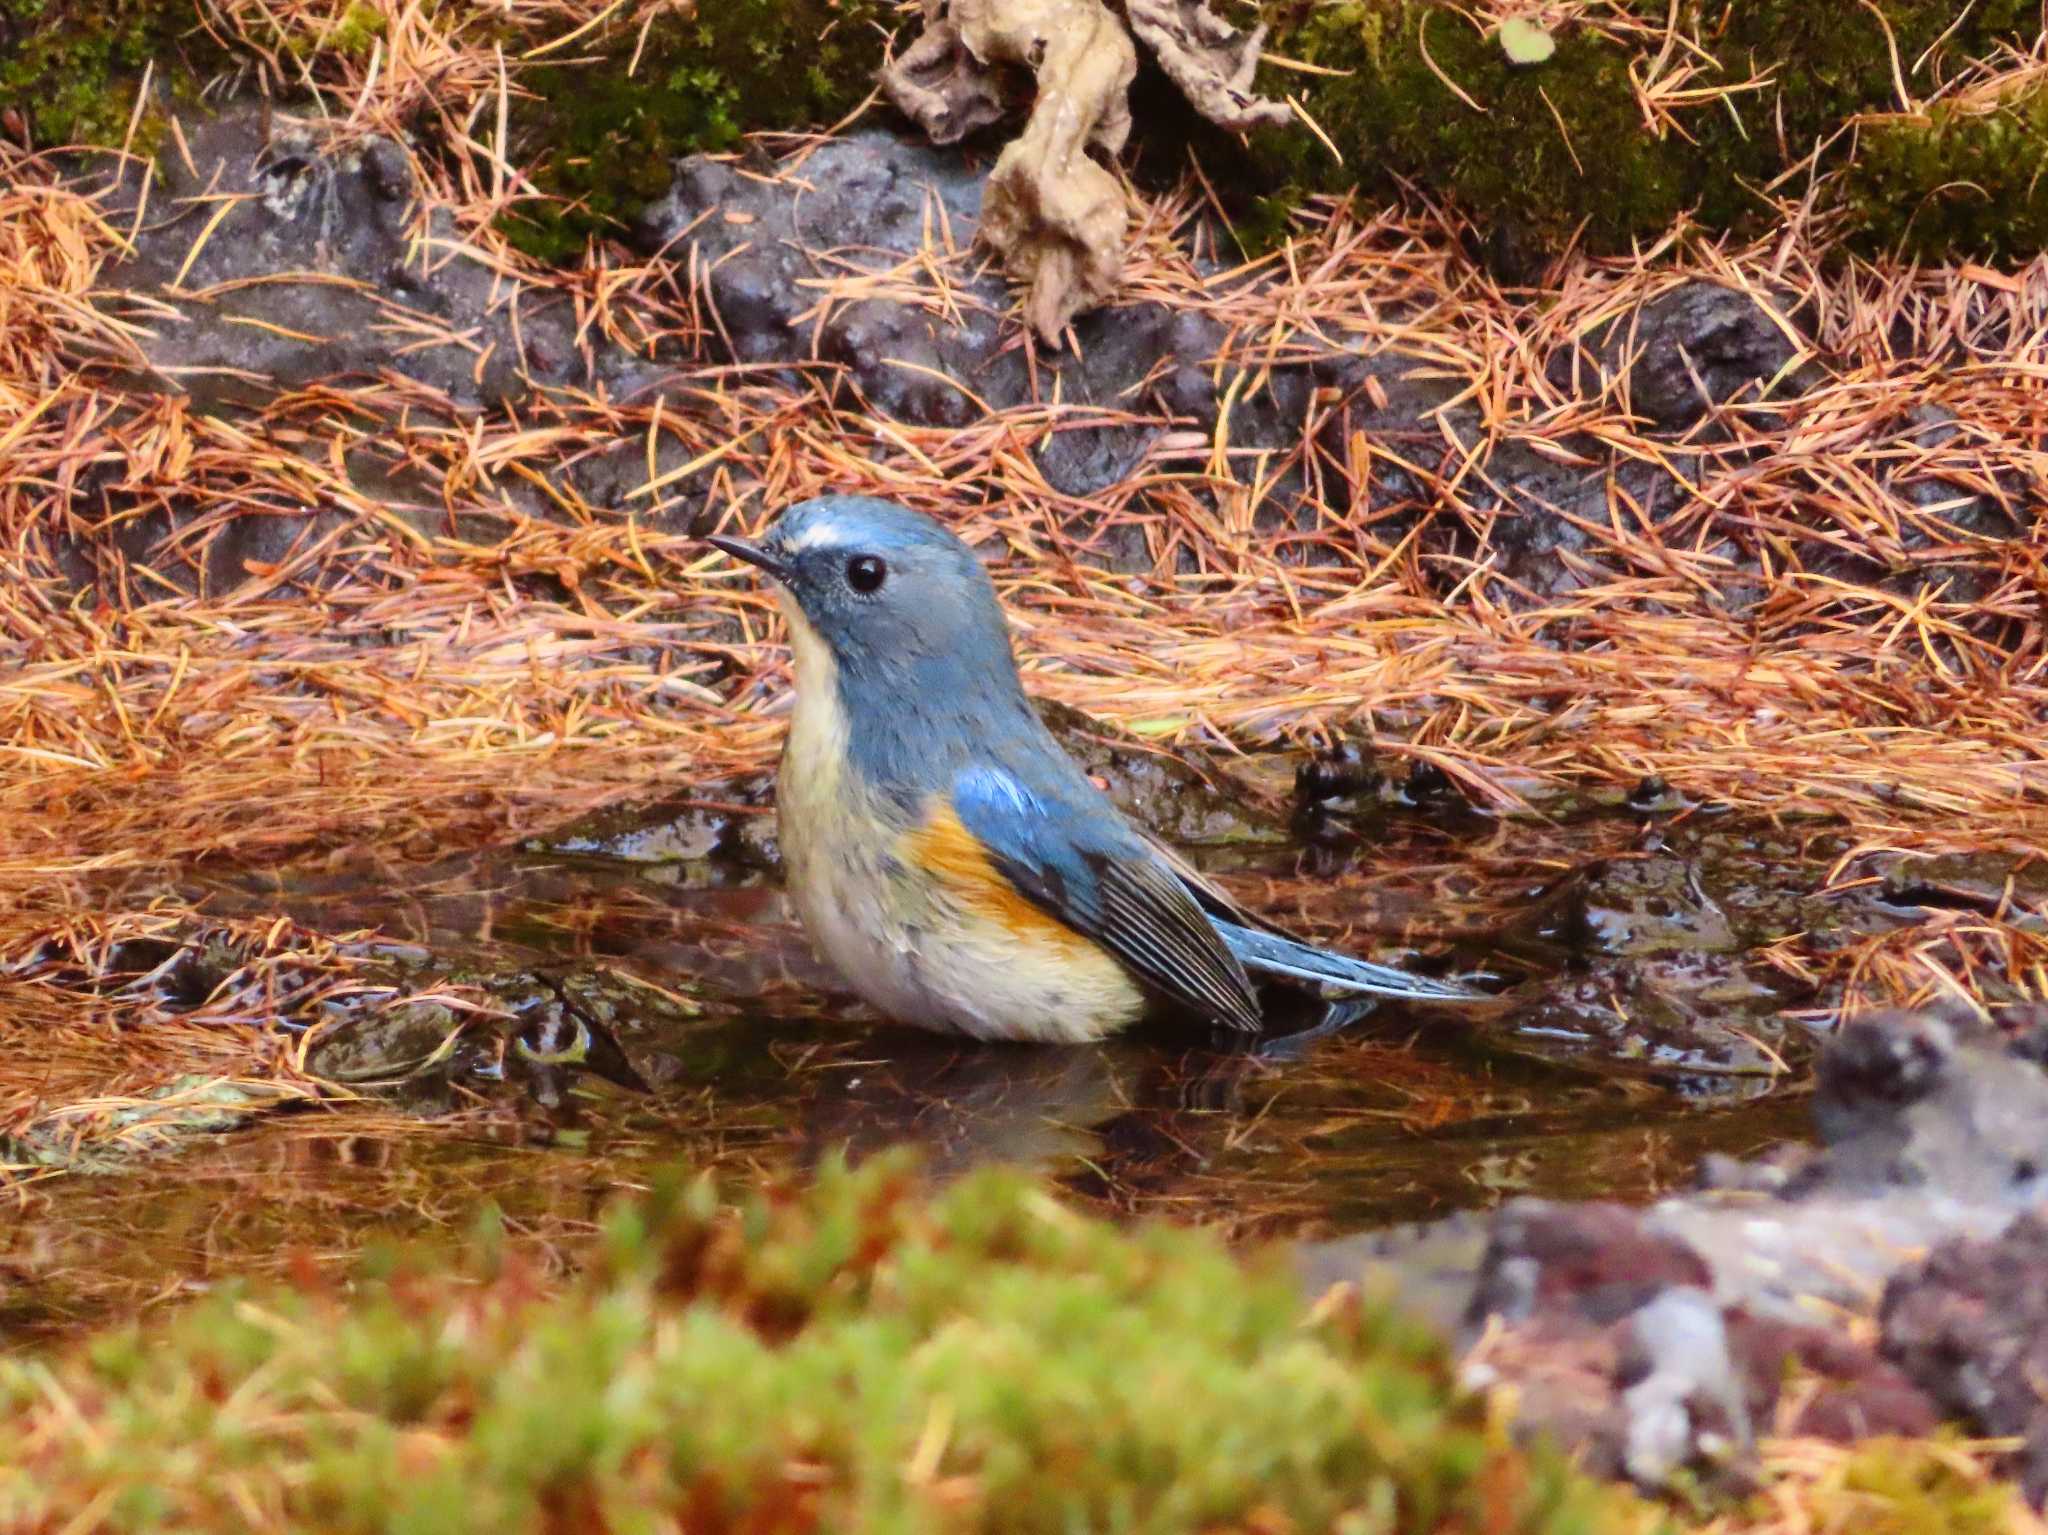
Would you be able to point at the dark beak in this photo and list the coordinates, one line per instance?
(753, 554)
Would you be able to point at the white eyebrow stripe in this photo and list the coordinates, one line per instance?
(819, 533)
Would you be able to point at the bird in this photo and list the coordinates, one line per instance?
(948, 858)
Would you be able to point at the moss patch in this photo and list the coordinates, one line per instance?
(1955, 183)
(858, 1359)
(1562, 145)
(1904, 1487)
(71, 68)
(600, 140)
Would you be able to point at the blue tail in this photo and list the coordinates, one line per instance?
(1270, 954)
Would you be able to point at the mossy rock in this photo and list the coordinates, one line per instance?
(599, 141)
(1960, 181)
(1560, 147)
(71, 69)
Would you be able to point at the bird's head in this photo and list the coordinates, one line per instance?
(885, 592)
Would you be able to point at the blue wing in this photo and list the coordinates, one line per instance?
(1277, 954)
(1074, 859)
(1266, 949)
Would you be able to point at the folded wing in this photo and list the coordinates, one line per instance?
(1110, 886)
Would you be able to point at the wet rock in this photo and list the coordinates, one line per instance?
(1653, 796)
(1340, 772)
(382, 1045)
(1684, 353)
(1657, 1340)
(156, 1120)
(1162, 792)
(1970, 1324)
(1694, 1020)
(1653, 947)
(259, 309)
(1974, 882)
(716, 831)
(1649, 904)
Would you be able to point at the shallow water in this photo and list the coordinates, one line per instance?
(1633, 1036)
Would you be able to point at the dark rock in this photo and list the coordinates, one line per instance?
(1689, 1018)
(1854, 1392)
(316, 210)
(1684, 353)
(1645, 905)
(872, 201)
(1161, 792)
(714, 833)
(1596, 1261)
(1970, 1324)
(1343, 770)
(766, 244)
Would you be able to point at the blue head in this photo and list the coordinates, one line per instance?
(898, 617)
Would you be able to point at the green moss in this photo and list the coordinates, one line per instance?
(1900, 1487)
(600, 141)
(1957, 183)
(1562, 146)
(862, 1359)
(354, 32)
(72, 68)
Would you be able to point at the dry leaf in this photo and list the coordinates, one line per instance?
(1210, 61)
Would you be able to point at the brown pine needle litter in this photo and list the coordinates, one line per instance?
(492, 656)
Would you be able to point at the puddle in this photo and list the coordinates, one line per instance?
(1636, 1032)
(1663, 973)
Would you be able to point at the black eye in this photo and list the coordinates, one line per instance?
(865, 573)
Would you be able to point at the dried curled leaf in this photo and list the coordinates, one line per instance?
(940, 85)
(1210, 61)
(1055, 215)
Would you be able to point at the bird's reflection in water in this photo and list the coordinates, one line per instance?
(1117, 1117)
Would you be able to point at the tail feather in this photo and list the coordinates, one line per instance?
(1271, 954)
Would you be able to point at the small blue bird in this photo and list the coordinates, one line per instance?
(949, 859)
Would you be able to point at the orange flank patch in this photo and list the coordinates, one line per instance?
(954, 857)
